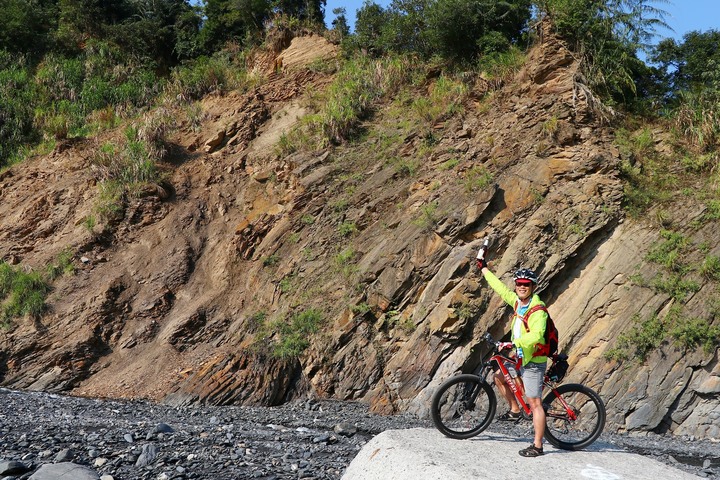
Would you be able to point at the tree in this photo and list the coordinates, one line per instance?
(454, 29)
(692, 75)
(462, 29)
(27, 26)
(607, 34)
(370, 22)
(688, 64)
(153, 30)
(234, 20)
(80, 20)
(339, 23)
(312, 10)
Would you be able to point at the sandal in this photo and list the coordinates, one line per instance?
(510, 416)
(531, 451)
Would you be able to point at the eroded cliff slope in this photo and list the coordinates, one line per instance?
(181, 298)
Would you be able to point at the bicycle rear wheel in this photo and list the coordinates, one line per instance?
(463, 406)
(574, 416)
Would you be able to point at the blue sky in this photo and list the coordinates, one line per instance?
(683, 15)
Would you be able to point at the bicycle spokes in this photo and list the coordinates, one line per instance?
(575, 416)
(463, 406)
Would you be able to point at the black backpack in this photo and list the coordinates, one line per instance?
(550, 347)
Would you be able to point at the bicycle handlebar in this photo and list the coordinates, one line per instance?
(489, 339)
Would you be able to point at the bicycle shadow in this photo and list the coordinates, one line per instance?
(596, 447)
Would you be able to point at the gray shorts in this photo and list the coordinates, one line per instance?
(532, 376)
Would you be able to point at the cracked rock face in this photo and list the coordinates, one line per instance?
(173, 299)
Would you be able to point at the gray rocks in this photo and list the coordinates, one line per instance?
(141, 441)
(148, 455)
(45, 434)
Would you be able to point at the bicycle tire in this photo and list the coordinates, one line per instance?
(463, 406)
(568, 434)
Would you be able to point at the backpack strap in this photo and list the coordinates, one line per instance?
(530, 312)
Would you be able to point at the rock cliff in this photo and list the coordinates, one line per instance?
(170, 301)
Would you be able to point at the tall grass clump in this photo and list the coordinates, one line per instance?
(64, 97)
(21, 293)
(288, 338)
(17, 94)
(499, 67)
(445, 98)
(360, 82)
(697, 118)
(205, 75)
(125, 168)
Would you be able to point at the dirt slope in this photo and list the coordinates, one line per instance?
(167, 304)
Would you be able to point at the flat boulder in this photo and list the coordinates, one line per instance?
(422, 453)
(63, 470)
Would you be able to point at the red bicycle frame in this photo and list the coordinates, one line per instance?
(501, 361)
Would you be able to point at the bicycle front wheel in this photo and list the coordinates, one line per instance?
(463, 406)
(574, 416)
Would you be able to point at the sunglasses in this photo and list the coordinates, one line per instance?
(523, 283)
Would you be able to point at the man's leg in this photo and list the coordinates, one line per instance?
(533, 375)
(538, 418)
(506, 392)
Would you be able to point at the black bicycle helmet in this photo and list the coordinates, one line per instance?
(527, 274)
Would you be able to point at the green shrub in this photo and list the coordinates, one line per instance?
(21, 293)
(289, 338)
(429, 216)
(692, 333)
(712, 210)
(271, 260)
(648, 335)
(669, 252)
(649, 178)
(711, 268)
(450, 164)
(343, 262)
(675, 285)
(347, 228)
(17, 97)
(445, 98)
(478, 178)
(500, 66)
(63, 265)
(644, 337)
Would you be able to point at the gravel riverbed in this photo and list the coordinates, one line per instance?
(44, 436)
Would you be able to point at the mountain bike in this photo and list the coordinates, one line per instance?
(465, 405)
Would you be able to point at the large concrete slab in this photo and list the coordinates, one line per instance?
(425, 454)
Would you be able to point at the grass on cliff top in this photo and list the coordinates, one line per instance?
(419, 99)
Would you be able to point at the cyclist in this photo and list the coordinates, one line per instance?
(526, 342)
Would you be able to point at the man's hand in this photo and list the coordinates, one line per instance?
(481, 263)
(504, 346)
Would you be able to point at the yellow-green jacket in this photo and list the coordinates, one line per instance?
(528, 340)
